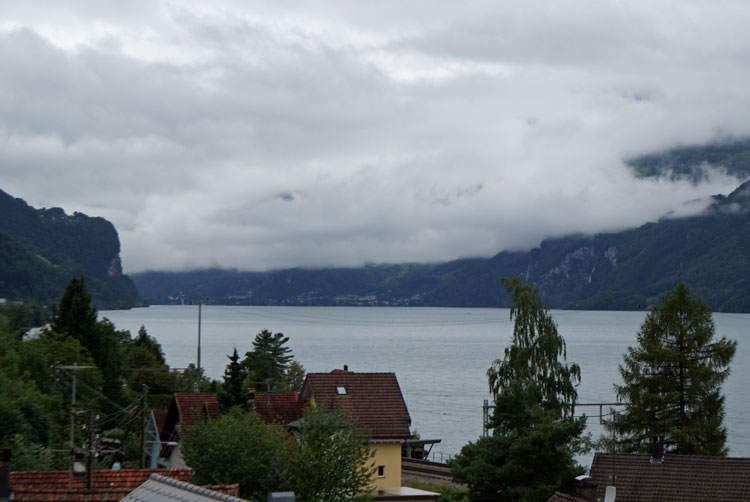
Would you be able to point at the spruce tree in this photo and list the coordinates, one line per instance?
(233, 392)
(75, 316)
(672, 380)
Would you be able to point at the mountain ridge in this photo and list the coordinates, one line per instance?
(623, 270)
(41, 249)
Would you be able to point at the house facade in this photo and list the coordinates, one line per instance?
(375, 402)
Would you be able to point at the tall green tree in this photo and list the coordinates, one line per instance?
(535, 435)
(672, 379)
(75, 316)
(331, 462)
(233, 391)
(239, 448)
(293, 377)
(268, 360)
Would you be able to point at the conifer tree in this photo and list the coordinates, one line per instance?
(268, 360)
(672, 380)
(75, 316)
(233, 392)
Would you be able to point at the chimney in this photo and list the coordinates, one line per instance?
(657, 450)
(5, 492)
(346, 367)
(586, 489)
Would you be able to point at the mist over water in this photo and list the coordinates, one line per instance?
(440, 355)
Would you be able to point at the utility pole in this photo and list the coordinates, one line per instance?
(90, 459)
(75, 368)
(196, 387)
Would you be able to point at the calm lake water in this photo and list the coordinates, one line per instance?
(440, 355)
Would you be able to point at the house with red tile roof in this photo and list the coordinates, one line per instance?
(106, 485)
(278, 407)
(668, 478)
(185, 410)
(375, 402)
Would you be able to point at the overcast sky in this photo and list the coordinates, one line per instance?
(273, 134)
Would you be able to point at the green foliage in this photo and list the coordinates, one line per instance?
(233, 391)
(18, 318)
(332, 462)
(267, 361)
(29, 455)
(75, 316)
(530, 454)
(293, 378)
(41, 249)
(533, 359)
(150, 344)
(672, 379)
(239, 448)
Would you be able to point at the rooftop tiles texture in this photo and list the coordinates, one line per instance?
(278, 407)
(373, 400)
(107, 486)
(678, 478)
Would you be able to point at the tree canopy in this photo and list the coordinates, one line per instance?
(331, 461)
(672, 379)
(268, 360)
(530, 453)
(233, 392)
(239, 448)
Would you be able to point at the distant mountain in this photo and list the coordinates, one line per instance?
(41, 249)
(696, 162)
(618, 271)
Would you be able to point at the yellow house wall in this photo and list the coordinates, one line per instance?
(389, 455)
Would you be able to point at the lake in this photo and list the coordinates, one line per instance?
(440, 355)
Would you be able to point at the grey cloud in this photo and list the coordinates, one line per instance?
(265, 137)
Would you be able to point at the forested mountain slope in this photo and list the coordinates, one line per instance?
(40, 249)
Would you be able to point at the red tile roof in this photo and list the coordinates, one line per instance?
(107, 486)
(278, 407)
(373, 400)
(231, 490)
(185, 410)
(192, 406)
(160, 416)
(678, 478)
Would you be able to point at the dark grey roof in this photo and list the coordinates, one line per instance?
(678, 478)
(161, 489)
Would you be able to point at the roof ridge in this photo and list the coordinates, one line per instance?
(195, 489)
(342, 372)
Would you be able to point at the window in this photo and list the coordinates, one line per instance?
(341, 391)
(381, 471)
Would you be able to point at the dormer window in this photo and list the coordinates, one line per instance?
(341, 391)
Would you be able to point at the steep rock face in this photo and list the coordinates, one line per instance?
(43, 248)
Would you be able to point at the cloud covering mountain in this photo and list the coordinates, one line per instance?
(264, 135)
